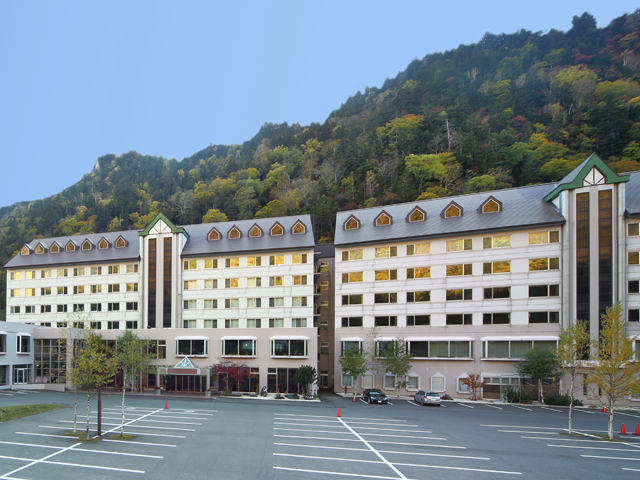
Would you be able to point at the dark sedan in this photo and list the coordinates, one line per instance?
(374, 395)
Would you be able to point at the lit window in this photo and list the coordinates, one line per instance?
(299, 279)
(420, 272)
(419, 249)
(87, 245)
(120, 242)
(452, 211)
(213, 234)
(29, 292)
(298, 228)
(324, 286)
(423, 296)
(231, 282)
(254, 261)
(634, 258)
(386, 275)
(113, 269)
(490, 206)
(276, 281)
(78, 289)
(234, 233)
(382, 252)
(276, 260)
(103, 244)
(383, 219)
(276, 230)
(254, 282)
(190, 264)
(211, 263)
(544, 264)
(39, 249)
(55, 248)
(455, 270)
(190, 284)
(255, 231)
(132, 268)
(352, 223)
(417, 215)
(25, 250)
(132, 287)
(232, 262)
(632, 230)
(71, 247)
(497, 267)
(299, 258)
(352, 299)
(539, 238)
(496, 242)
(459, 245)
(351, 277)
(349, 255)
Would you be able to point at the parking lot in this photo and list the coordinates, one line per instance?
(245, 438)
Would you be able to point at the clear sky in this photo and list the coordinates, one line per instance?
(80, 79)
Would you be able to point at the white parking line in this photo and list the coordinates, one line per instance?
(29, 445)
(465, 469)
(66, 464)
(129, 433)
(627, 414)
(523, 408)
(337, 473)
(414, 403)
(523, 426)
(118, 425)
(464, 405)
(492, 406)
(551, 409)
(139, 443)
(611, 458)
(593, 448)
(335, 418)
(337, 459)
(370, 441)
(323, 447)
(583, 411)
(523, 431)
(348, 433)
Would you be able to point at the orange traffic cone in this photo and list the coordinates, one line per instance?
(338, 413)
(604, 410)
(166, 405)
(354, 396)
(623, 431)
(637, 432)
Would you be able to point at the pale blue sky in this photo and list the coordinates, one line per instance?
(79, 79)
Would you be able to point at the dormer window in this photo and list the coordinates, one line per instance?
(234, 233)
(453, 210)
(40, 249)
(102, 244)
(87, 245)
(298, 228)
(55, 248)
(71, 246)
(491, 205)
(417, 215)
(213, 234)
(276, 230)
(383, 219)
(255, 231)
(352, 223)
(121, 242)
(25, 250)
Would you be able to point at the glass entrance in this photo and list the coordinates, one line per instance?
(22, 376)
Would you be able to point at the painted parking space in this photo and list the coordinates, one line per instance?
(369, 447)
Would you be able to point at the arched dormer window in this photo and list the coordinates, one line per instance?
(103, 243)
(417, 215)
(351, 223)
(233, 233)
(71, 246)
(55, 248)
(276, 230)
(40, 249)
(255, 231)
(383, 219)
(25, 250)
(87, 245)
(298, 228)
(452, 210)
(491, 205)
(213, 234)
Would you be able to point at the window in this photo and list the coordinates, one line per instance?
(418, 320)
(211, 263)
(496, 318)
(383, 219)
(424, 296)
(253, 323)
(113, 325)
(417, 215)
(131, 324)
(299, 279)
(455, 270)
(346, 381)
(351, 321)
(497, 267)
(452, 211)
(78, 307)
(29, 292)
(62, 272)
(113, 307)
(30, 309)
(459, 319)
(132, 268)
(232, 323)
(120, 242)
(544, 264)
(113, 269)
(208, 323)
(31, 274)
(634, 258)
(298, 228)
(254, 261)
(254, 302)
(190, 264)
(389, 382)
(255, 231)
(496, 242)
(71, 247)
(632, 229)
(276, 281)
(634, 286)
(45, 309)
(384, 252)
(386, 321)
(276, 302)
(544, 317)
(96, 270)
(239, 347)
(513, 348)
(234, 233)
(132, 287)
(459, 245)
(324, 286)
(299, 301)
(299, 322)
(231, 282)
(61, 290)
(419, 249)
(497, 292)
(352, 223)
(419, 272)
(15, 292)
(43, 274)
(352, 299)
(45, 291)
(23, 343)
(276, 230)
(3, 345)
(231, 303)
(539, 238)
(352, 277)
(299, 258)
(78, 289)
(324, 266)
(276, 260)
(438, 383)
(386, 298)
(544, 290)
(192, 347)
(96, 307)
(102, 244)
(384, 345)
(211, 303)
(276, 322)
(15, 275)
(210, 283)
(289, 348)
(324, 348)
(459, 294)
(15, 309)
(232, 262)
(349, 255)
(324, 325)
(96, 288)
(62, 308)
(386, 275)
(114, 287)
(213, 234)
(132, 307)
(490, 206)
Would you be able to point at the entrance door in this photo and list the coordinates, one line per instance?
(22, 376)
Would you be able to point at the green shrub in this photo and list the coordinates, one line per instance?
(512, 395)
(561, 400)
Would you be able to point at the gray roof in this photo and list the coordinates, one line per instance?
(325, 250)
(199, 245)
(131, 251)
(521, 207)
(632, 193)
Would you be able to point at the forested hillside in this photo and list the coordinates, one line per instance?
(511, 110)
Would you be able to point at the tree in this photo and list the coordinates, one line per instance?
(227, 370)
(474, 382)
(94, 368)
(614, 373)
(374, 361)
(573, 346)
(305, 375)
(133, 357)
(539, 364)
(354, 364)
(214, 215)
(397, 361)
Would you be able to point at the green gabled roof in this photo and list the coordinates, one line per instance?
(170, 224)
(575, 179)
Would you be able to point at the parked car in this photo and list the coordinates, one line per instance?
(427, 398)
(374, 395)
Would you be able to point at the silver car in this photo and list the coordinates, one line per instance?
(427, 398)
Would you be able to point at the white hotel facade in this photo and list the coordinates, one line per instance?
(471, 282)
